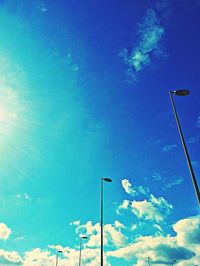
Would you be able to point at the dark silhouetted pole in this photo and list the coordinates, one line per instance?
(185, 93)
(149, 261)
(101, 214)
(58, 251)
(82, 237)
(173, 261)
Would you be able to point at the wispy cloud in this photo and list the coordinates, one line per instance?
(193, 140)
(23, 196)
(156, 177)
(166, 182)
(196, 163)
(169, 147)
(198, 121)
(148, 47)
(176, 182)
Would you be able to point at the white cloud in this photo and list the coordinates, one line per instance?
(183, 247)
(9, 258)
(115, 235)
(69, 256)
(118, 224)
(188, 231)
(112, 233)
(157, 226)
(161, 203)
(153, 209)
(156, 209)
(56, 247)
(76, 223)
(4, 231)
(123, 206)
(134, 227)
(128, 187)
(146, 210)
(38, 257)
(143, 247)
(90, 228)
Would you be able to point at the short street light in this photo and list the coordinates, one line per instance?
(149, 259)
(58, 251)
(173, 262)
(82, 237)
(106, 179)
(184, 93)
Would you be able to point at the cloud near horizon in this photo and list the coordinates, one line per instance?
(5, 231)
(162, 249)
(112, 233)
(183, 247)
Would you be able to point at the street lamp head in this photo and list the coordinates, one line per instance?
(107, 179)
(59, 251)
(180, 92)
(84, 237)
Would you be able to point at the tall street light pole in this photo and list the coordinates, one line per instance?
(184, 93)
(101, 213)
(58, 251)
(81, 238)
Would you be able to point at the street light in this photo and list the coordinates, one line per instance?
(184, 93)
(173, 261)
(101, 213)
(58, 251)
(82, 237)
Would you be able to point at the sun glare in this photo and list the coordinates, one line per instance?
(13, 107)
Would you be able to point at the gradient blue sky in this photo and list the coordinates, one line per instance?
(84, 95)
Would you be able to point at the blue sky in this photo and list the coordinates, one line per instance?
(84, 95)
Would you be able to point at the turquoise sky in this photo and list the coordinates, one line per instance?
(84, 94)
